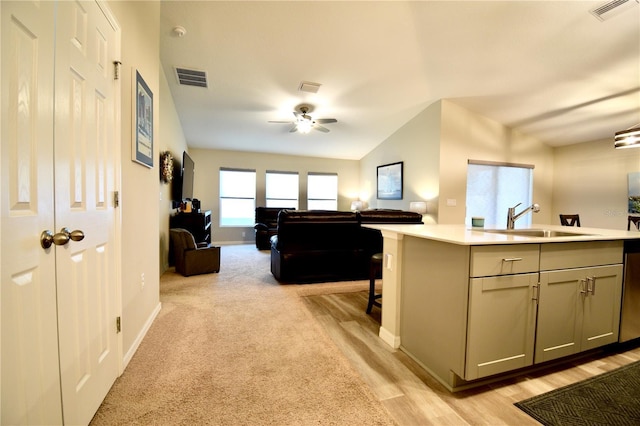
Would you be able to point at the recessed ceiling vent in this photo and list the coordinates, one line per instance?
(612, 8)
(309, 87)
(187, 77)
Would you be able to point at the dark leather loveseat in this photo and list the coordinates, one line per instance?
(319, 246)
(266, 226)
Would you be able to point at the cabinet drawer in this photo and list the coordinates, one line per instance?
(580, 254)
(504, 259)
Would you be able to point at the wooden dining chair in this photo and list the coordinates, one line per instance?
(570, 219)
(636, 222)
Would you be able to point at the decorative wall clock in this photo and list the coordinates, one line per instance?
(166, 167)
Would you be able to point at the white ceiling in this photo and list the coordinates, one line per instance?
(548, 68)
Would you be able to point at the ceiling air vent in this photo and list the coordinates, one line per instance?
(187, 77)
(307, 86)
(612, 8)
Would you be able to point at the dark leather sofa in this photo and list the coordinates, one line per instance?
(319, 246)
(266, 226)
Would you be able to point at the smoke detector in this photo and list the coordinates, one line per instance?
(179, 31)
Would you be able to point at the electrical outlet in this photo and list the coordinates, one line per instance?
(244, 234)
(142, 280)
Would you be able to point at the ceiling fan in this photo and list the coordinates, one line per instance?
(303, 122)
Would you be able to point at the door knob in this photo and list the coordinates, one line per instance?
(75, 235)
(47, 238)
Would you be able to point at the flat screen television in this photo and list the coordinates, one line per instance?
(187, 175)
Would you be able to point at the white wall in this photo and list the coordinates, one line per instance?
(171, 138)
(470, 136)
(436, 146)
(591, 180)
(417, 145)
(140, 23)
(206, 185)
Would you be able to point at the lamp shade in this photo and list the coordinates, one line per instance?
(357, 205)
(629, 138)
(418, 207)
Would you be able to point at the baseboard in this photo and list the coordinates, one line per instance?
(232, 243)
(389, 338)
(136, 344)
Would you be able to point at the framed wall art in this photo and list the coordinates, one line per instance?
(389, 179)
(142, 146)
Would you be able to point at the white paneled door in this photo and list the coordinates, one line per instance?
(59, 152)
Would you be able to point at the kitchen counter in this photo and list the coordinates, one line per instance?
(434, 267)
(464, 235)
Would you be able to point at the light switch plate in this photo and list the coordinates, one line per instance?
(388, 261)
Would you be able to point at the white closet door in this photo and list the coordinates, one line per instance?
(30, 369)
(85, 142)
(59, 151)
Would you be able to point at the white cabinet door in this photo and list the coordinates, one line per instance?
(571, 317)
(501, 326)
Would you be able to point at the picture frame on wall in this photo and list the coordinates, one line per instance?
(142, 146)
(389, 181)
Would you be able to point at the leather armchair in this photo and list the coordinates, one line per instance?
(192, 258)
(266, 226)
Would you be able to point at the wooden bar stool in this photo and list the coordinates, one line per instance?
(636, 222)
(375, 270)
(570, 219)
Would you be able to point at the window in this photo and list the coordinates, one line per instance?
(322, 191)
(494, 187)
(237, 197)
(282, 189)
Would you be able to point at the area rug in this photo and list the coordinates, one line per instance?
(612, 398)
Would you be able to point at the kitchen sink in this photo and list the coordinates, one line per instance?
(541, 233)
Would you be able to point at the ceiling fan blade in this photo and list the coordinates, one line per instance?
(322, 129)
(274, 121)
(293, 129)
(326, 120)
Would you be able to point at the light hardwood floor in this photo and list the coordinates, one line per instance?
(413, 397)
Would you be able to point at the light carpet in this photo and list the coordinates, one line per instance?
(239, 348)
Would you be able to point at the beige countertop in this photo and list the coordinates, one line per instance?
(465, 235)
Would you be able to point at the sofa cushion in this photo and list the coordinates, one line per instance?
(389, 216)
(317, 230)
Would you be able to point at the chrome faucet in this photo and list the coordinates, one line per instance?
(512, 216)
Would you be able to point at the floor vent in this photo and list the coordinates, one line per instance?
(612, 8)
(187, 77)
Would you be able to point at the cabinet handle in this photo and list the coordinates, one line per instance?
(536, 292)
(511, 259)
(591, 285)
(583, 286)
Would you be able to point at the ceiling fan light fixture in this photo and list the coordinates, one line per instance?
(629, 138)
(304, 125)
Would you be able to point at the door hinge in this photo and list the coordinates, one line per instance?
(118, 325)
(116, 70)
(116, 198)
